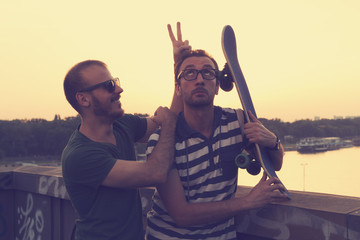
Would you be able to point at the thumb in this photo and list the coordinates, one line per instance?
(252, 117)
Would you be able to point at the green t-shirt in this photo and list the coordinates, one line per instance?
(104, 212)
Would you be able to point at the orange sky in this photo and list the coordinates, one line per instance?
(300, 58)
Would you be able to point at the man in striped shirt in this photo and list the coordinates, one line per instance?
(198, 200)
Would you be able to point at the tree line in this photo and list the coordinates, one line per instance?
(343, 128)
(39, 137)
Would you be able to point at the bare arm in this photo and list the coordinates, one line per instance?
(277, 157)
(154, 170)
(188, 214)
(179, 46)
(176, 105)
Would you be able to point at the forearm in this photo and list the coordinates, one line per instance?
(177, 104)
(277, 157)
(162, 156)
(204, 213)
(274, 148)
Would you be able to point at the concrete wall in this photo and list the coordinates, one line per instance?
(34, 205)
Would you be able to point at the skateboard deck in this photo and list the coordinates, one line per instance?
(228, 42)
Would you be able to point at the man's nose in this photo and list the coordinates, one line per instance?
(199, 78)
(118, 89)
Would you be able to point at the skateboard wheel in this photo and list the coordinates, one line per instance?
(225, 79)
(242, 160)
(226, 84)
(254, 168)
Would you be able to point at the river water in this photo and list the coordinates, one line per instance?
(333, 172)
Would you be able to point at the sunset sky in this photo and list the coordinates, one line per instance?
(301, 58)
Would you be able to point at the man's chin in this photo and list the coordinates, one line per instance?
(121, 112)
(200, 104)
(118, 114)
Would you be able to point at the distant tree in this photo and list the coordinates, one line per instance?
(43, 138)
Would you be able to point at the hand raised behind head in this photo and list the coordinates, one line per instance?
(178, 44)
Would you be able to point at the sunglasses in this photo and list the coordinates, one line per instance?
(109, 85)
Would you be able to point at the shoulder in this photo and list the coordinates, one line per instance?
(229, 113)
(133, 125)
(129, 119)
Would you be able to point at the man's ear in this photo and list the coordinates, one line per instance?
(177, 89)
(83, 99)
(217, 88)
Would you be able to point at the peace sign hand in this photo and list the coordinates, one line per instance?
(179, 46)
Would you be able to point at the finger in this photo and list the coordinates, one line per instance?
(278, 186)
(171, 34)
(184, 48)
(278, 196)
(264, 176)
(252, 116)
(274, 181)
(178, 26)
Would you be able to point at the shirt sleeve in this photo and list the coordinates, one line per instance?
(153, 140)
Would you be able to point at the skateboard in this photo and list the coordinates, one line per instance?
(252, 156)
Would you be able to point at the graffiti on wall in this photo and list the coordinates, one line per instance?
(281, 227)
(30, 221)
(5, 181)
(46, 184)
(3, 227)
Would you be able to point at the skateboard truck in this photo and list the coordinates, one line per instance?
(246, 160)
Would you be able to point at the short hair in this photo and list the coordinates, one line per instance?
(192, 53)
(74, 82)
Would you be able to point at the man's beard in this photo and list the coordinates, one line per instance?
(101, 110)
(199, 103)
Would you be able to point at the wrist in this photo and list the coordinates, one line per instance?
(276, 146)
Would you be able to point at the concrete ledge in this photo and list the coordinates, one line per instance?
(34, 205)
(307, 216)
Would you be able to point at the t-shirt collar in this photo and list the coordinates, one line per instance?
(184, 131)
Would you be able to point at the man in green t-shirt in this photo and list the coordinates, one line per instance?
(99, 168)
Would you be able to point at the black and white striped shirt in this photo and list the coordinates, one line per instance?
(207, 172)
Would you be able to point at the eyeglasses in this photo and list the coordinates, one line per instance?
(109, 85)
(192, 74)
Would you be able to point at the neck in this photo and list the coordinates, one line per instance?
(200, 119)
(98, 129)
